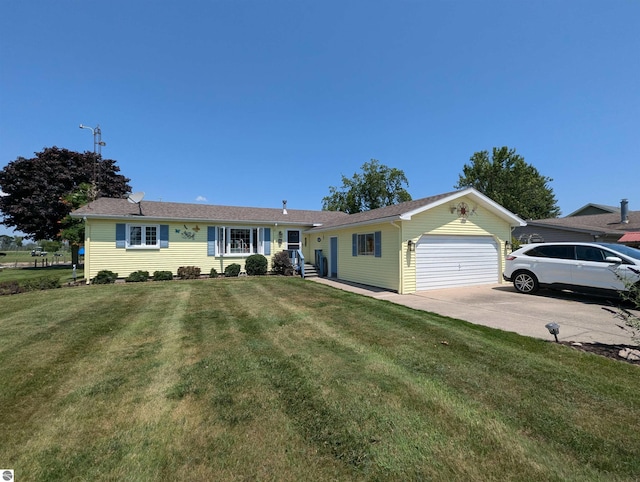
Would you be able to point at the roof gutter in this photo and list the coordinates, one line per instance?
(138, 217)
(333, 227)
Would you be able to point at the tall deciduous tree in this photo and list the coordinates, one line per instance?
(39, 191)
(508, 180)
(377, 186)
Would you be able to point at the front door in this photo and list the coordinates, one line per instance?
(293, 243)
(333, 257)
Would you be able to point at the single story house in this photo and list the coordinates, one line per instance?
(615, 226)
(458, 238)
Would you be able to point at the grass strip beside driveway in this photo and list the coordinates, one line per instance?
(281, 379)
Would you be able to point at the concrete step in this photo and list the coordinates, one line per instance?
(310, 271)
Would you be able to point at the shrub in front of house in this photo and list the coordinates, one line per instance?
(213, 273)
(104, 277)
(232, 270)
(188, 272)
(256, 265)
(137, 277)
(162, 276)
(281, 264)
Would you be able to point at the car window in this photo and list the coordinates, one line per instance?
(627, 250)
(561, 251)
(589, 253)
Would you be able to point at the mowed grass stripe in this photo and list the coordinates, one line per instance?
(99, 389)
(276, 378)
(370, 370)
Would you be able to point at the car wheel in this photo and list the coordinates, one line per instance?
(525, 282)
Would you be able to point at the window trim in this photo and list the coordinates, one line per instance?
(258, 238)
(376, 237)
(364, 240)
(143, 235)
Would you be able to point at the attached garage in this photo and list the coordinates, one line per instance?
(450, 261)
(450, 240)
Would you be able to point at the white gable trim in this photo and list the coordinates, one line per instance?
(477, 196)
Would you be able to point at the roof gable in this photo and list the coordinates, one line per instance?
(591, 208)
(406, 210)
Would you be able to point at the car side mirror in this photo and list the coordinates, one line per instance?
(613, 259)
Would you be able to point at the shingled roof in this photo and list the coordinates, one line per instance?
(376, 215)
(405, 210)
(110, 208)
(609, 223)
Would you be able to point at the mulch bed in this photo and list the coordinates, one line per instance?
(610, 351)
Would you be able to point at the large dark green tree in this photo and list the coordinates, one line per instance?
(375, 187)
(40, 192)
(507, 179)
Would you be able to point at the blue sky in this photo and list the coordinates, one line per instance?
(252, 102)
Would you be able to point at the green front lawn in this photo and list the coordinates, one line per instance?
(11, 257)
(284, 379)
(65, 272)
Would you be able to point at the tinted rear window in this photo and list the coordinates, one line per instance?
(621, 248)
(559, 251)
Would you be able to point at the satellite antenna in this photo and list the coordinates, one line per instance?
(136, 198)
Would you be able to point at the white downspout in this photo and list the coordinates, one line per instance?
(400, 264)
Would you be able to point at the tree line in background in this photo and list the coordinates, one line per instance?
(40, 192)
(504, 177)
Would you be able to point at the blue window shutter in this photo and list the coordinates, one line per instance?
(377, 236)
(267, 241)
(211, 240)
(164, 235)
(354, 244)
(121, 235)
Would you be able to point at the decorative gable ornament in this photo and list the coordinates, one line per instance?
(463, 210)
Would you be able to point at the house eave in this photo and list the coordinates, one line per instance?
(321, 229)
(163, 219)
(590, 231)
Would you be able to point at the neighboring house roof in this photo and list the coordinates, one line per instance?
(106, 208)
(591, 208)
(595, 224)
(630, 238)
(109, 208)
(406, 210)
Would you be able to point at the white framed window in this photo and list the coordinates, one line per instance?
(366, 244)
(143, 236)
(241, 241)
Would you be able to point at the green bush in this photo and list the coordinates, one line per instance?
(213, 273)
(256, 265)
(232, 270)
(137, 277)
(104, 277)
(188, 272)
(281, 264)
(162, 276)
(32, 284)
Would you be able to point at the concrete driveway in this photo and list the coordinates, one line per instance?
(581, 318)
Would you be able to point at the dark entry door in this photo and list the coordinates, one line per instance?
(333, 256)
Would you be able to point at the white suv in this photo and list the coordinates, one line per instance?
(597, 268)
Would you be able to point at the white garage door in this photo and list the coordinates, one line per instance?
(448, 261)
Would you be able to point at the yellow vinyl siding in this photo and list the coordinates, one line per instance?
(101, 252)
(382, 271)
